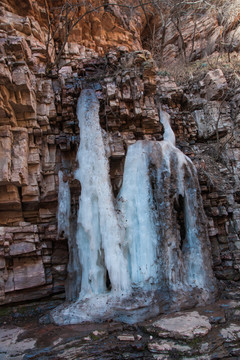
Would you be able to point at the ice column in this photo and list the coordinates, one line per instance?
(101, 249)
(135, 201)
(168, 132)
(64, 206)
(194, 246)
(164, 221)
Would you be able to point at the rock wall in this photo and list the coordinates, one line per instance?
(207, 124)
(39, 135)
(181, 35)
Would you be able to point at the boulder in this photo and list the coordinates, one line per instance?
(215, 85)
(183, 325)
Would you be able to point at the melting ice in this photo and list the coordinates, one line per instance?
(148, 253)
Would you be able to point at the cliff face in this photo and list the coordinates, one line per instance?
(39, 135)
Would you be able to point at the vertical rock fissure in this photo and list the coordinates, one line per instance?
(180, 217)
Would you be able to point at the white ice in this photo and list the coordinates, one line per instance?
(64, 206)
(194, 266)
(135, 250)
(99, 241)
(168, 132)
(135, 203)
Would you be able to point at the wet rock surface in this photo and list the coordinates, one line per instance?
(182, 325)
(210, 332)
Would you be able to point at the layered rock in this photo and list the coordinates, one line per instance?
(39, 135)
(182, 34)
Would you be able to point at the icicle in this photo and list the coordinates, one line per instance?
(64, 206)
(168, 132)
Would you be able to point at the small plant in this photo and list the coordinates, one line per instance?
(164, 73)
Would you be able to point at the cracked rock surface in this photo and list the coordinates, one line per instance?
(210, 332)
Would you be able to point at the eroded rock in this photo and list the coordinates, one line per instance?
(231, 333)
(183, 325)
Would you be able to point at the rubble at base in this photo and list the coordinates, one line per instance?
(214, 333)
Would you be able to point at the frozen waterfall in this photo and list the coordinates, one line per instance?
(163, 219)
(149, 252)
(100, 245)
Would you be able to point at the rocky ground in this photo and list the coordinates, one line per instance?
(211, 332)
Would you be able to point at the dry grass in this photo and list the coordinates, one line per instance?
(183, 73)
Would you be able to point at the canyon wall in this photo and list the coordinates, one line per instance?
(39, 135)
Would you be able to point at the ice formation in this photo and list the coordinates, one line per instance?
(163, 220)
(64, 206)
(101, 250)
(148, 253)
(67, 228)
(168, 132)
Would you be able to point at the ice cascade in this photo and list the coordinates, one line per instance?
(105, 278)
(164, 224)
(149, 252)
(98, 234)
(164, 221)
